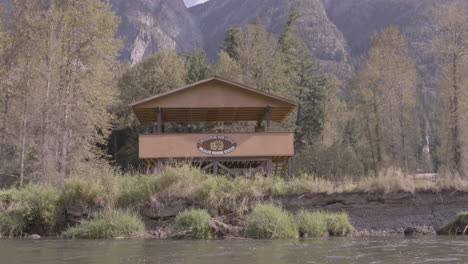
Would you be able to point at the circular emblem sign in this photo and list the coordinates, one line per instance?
(216, 145)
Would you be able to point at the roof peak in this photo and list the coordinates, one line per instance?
(212, 78)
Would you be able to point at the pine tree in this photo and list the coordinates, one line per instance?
(197, 66)
(232, 42)
(308, 84)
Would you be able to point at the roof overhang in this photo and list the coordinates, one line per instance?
(213, 100)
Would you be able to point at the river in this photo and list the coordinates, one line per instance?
(359, 250)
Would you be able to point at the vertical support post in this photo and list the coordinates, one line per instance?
(159, 121)
(160, 165)
(215, 167)
(290, 167)
(269, 167)
(267, 117)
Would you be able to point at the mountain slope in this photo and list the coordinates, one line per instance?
(320, 34)
(152, 25)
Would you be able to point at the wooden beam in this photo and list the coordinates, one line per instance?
(160, 121)
(265, 116)
(207, 166)
(233, 174)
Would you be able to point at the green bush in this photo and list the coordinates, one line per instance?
(311, 224)
(338, 224)
(136, 189)
(195, 223)
(11, 224)
(34, 206)
(457, 227)
(179, 181)
(85, 191)
(108, 224)
(269, 221)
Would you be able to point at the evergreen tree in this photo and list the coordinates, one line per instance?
(197, 66)
(308, 84)
(232, 42)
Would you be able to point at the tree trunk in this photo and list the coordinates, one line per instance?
(403, 145)
(4, 134)
(372, 147)
(455, 130)
(46, 106)
(378, 133)
(23, 145)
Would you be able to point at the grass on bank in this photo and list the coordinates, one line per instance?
(268, 221)
(458, 227)
(108, 224)
(224, 193)
(22, 210)
(311, 224)
(338, 224)
(30, 208)
(194, 223)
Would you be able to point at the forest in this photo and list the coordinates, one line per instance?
(64, 95)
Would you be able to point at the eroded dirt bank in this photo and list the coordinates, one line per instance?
(393, 213)
(396, 213)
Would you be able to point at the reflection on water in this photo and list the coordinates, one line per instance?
(324, 250)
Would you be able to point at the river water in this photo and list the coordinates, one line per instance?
(325, 250)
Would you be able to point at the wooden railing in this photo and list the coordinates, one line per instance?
(159, 146)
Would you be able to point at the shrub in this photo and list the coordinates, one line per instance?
(269, 221)
(388, 181)
(85, 191)
(195, 223)
(11, 224)
(311, 224)
(136, 189)
(338, 224)
(457, 227)
(179, 181)
(31, 207)
(108, 224)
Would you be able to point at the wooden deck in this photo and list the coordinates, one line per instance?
(269, 153)
(157, 146)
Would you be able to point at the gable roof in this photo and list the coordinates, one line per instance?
(212, 99)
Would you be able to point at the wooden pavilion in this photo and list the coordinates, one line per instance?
(218, 100)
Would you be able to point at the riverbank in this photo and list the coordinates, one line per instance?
(389, 204)
(400, 213)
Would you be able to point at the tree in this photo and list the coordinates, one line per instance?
(451, 50)
(197, 66)
(58, 85)
(153, 75)
(259, 57)
(232, 42)
(227, 68)
(308, 84)
(386, 90)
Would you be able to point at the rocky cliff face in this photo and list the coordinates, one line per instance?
(314, 26)
(337, 31)
(152, 25)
